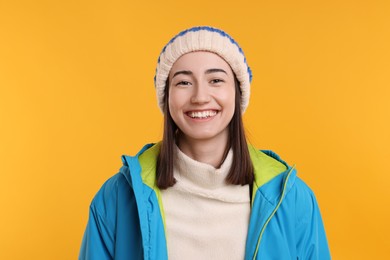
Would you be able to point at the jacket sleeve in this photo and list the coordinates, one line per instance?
(310, 231)
(97, 241)
(99, 237)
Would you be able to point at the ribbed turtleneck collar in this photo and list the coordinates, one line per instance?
(203, 174)
(207, 181)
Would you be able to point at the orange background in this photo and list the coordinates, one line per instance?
(76, 92)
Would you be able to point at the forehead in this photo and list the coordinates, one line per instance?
(199, 61)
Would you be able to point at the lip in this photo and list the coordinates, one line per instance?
(200, 110)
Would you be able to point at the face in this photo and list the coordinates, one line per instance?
(201, 96)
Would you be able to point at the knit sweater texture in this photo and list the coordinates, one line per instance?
(206, 218)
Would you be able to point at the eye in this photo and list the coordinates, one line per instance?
(183, 83)
(216, 81)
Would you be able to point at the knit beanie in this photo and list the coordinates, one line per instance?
(203, 38)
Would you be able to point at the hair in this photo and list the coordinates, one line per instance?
(241, 171)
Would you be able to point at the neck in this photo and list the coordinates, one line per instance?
(211, 152)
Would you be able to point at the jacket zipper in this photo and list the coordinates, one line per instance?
(273, 212)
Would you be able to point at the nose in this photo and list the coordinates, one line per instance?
(201, 94)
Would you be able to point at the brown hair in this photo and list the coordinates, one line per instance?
(241, 171)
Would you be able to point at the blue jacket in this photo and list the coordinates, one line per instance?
(126, 218)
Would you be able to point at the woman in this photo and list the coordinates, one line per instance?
(203, 192)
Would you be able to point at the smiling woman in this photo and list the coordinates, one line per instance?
(203, 192)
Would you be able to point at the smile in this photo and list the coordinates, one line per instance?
(202, 114)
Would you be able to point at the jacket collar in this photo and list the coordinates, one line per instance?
(267, 166)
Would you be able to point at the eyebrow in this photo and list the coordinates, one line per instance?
(215, 70)
(188, 72)
(185, 72)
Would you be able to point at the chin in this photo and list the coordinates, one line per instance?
(203, 136)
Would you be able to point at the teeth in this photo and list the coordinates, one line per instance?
(203, 114)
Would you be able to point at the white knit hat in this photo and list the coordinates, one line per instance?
(203, 38)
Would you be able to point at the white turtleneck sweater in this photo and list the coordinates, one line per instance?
(205, 217)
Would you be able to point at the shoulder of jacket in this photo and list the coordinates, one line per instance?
(302, 189)
(305, 201)
(105, 200)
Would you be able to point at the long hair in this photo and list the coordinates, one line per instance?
(241, 170)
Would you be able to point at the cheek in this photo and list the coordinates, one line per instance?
(228, 98)
(175, 100)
